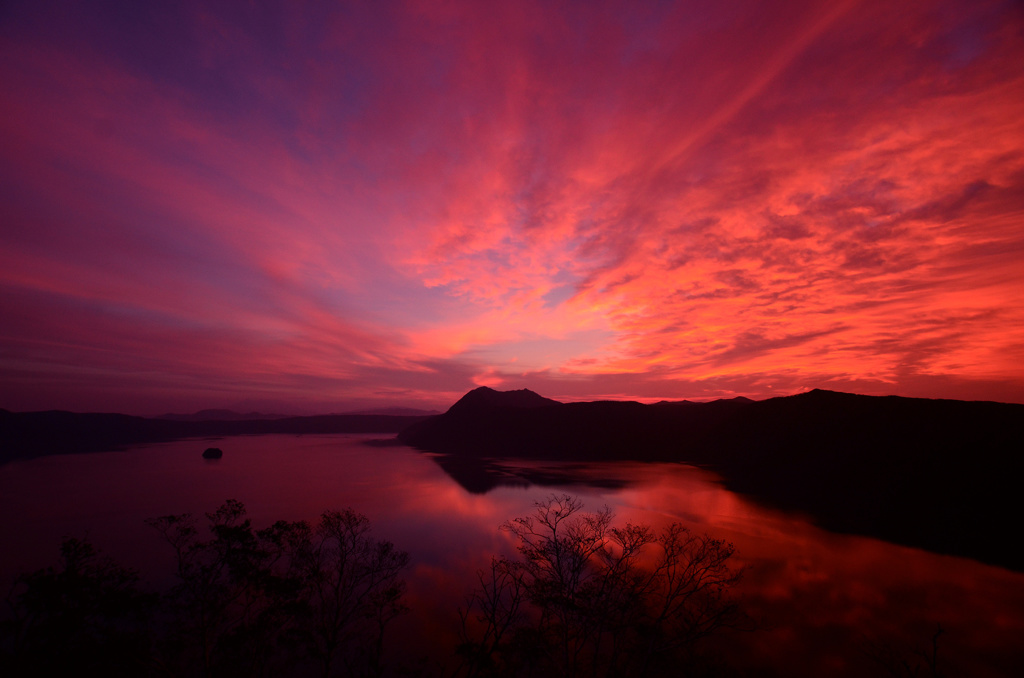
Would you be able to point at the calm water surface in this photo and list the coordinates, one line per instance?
(826, 602)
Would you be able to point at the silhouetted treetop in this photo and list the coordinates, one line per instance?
(587, 598)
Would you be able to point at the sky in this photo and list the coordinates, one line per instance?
(307, 207)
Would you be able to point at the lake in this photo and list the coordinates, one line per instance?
(825, 603)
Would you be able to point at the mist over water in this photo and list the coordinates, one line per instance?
(825, 602)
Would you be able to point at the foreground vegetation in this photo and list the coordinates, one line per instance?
(290, 599)
(583, 597)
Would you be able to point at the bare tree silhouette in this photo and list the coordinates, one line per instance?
(253, 602)
(352, 585)
(587, 598)
(84, 615)
(921, 662)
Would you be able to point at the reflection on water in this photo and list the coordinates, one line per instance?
(827, 601)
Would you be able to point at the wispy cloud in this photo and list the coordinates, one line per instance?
(413, 198)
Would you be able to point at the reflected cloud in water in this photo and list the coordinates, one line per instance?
(826, 601)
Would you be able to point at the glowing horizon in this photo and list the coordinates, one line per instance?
(392, 203)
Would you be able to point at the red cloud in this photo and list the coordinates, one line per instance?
(682, 202)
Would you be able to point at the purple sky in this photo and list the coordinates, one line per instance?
(310, 207)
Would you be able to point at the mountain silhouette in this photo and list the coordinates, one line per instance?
(525, 424)
(221, 415)
(943, 475)
(33, 434)
(937, 474)
(485, 398)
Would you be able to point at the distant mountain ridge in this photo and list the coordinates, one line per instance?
(395, 412)
(220, 415)
(32, 434)
(524, 423)
(231, 415)
(486, 398)
(939, 474)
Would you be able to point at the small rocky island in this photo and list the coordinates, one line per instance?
(213, 453)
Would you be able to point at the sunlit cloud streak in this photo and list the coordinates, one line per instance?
(332, 206)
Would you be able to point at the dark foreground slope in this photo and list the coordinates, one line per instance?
(31, 434)
(938, 474)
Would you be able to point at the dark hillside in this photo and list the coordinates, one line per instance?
(32, 434)
(487, 398)
(938, 474)
(587, 431)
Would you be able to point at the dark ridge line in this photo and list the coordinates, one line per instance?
(942, 475)
(33, 434)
